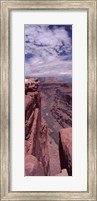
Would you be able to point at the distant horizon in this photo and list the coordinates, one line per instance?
(58, 78)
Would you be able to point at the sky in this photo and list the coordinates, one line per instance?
(48, 51)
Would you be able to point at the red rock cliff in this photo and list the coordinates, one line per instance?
(65, 149)
(36, 150)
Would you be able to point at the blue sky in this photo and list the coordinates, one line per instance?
(48, 50)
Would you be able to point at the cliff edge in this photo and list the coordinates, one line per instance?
(36, 150)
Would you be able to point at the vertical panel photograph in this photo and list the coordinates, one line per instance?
(48, 100)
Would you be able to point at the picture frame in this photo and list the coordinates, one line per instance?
(6, 8)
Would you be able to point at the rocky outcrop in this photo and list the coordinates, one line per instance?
(33, 166)
(43, 140)
(48, 152)
(63, 173)
(36, 150)
(65, 149)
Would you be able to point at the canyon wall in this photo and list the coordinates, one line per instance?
(43, 156)
(36, 150)
(65, 149)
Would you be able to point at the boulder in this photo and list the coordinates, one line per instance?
(33, 167)
(65, 149)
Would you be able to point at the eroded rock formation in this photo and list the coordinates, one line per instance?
(47, 153)
(65, 149)
(33, 166)
(36, 150)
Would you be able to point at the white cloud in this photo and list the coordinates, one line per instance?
(47, 47)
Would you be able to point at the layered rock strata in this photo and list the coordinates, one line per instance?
(46, 154)
(36, 150)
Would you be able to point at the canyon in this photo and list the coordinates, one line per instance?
(48, 127)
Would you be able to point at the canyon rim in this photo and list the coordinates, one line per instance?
(48, 100)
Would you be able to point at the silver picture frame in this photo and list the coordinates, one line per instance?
(6, 7)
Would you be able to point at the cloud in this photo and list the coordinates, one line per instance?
(48, 51)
